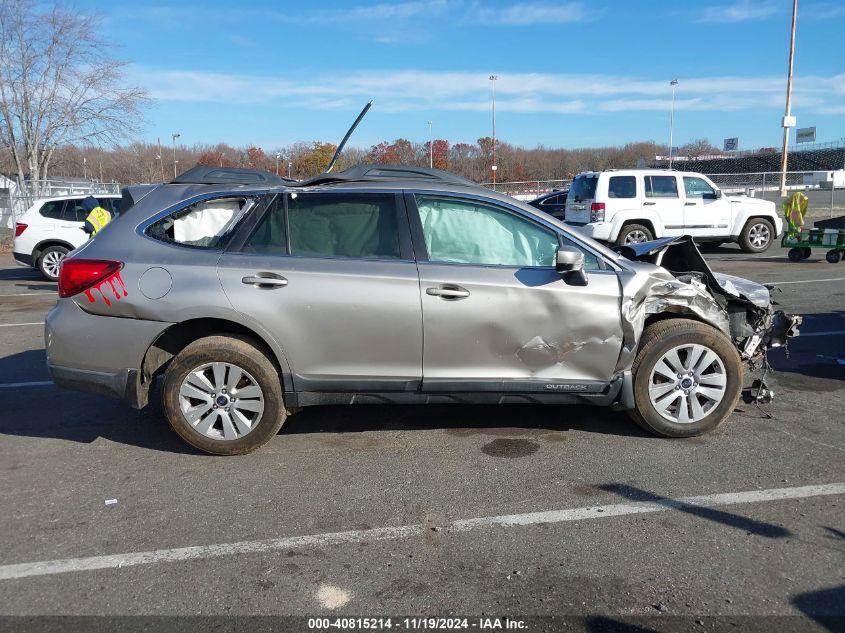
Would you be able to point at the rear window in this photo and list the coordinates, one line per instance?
(583, 188)
(52, 209)
(622, 187)
(204, 224)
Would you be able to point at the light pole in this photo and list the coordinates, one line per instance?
(494, 167)
(788, 121)
(290, 169)
(672, 83)
(430, 147)
(175, 135)
(278, 156)
(160, 160)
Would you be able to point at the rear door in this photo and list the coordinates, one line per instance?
(331, 276)
(661, 196)
(705, 215)
(496, 314)
(582, 193)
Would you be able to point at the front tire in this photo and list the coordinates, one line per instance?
(757, 235)
(223, 396)
(50, 260)
(687, 378)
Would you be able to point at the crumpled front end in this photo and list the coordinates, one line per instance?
(684, 284)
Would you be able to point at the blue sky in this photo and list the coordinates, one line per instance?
(570, 74)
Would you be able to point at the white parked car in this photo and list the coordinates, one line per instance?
(637, 205)
(51, 228)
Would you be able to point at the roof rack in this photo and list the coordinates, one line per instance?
(368, 173)
(204, 175)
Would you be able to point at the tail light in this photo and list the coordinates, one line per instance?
(78, 275)
(597, 212)
(20, 228)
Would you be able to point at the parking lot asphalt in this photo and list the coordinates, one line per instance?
(367, 510)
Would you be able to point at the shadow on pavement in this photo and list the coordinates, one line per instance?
(752, 526)
(826, 607)
(462, 419)
(814, 356)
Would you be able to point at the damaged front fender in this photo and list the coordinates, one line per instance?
(670, 276)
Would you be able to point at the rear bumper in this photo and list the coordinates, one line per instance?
(597, 230)
(22, 259)
(124, 384)
(99, 354)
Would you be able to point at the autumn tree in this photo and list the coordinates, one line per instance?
(58, 85)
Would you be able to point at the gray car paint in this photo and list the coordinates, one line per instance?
(345, 325)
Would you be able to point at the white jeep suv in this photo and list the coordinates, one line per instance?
(637, 205)
(51, 228)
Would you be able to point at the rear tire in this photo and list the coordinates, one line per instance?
(634, 234)
(687, 378)
(757, 235)
(795, 255)
(201, 393)
(50, 260)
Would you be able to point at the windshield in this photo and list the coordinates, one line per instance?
(583, 188)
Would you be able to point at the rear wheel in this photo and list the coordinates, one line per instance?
(795, 255)
(223, 396)
(687, 378)
(833, 256)
(756, 236)
(634, 234)
(50, 260)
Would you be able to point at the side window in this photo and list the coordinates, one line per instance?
(359, 225)
(270, 236)
(52, 209)
(205, 224)
(622, 187)
(661, 187)
(551, 201)
(698, 188)
(112, 205)
(469, 232)
(75, 212)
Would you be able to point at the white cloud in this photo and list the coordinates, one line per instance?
(415, 90)
(742, 11)
(529, 13)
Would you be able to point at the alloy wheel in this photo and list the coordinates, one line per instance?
(221, 401)
(759, 236)
(51, 262)
(687, 383)
(636, 237)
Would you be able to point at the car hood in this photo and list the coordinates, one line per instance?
(680, 255)
(749, 201)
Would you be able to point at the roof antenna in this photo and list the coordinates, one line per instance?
(346, 138)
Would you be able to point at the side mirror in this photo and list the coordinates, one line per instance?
(570, 263)
(718, 193)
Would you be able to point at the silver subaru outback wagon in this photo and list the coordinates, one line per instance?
(251, 296)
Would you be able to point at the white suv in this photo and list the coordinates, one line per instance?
(637, 205)
(51, 228)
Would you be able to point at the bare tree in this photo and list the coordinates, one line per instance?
(58, 85)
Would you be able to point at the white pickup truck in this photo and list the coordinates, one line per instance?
(637, 205)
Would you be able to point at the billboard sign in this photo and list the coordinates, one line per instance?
(731, 144)
(805, 135)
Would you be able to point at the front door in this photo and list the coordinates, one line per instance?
(331, 276)
(496, 314)
(660, 196)
(704, 214)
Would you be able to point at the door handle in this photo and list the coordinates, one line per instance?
(449, 293)
(690, 204)
(265, 281)
(649, 203)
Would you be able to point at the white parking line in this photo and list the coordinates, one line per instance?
(831, 333)
(115, 561)
(35, 383)
(803, 281)
(20, 324)
(29, 294)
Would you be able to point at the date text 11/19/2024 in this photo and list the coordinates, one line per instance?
(416, 624)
